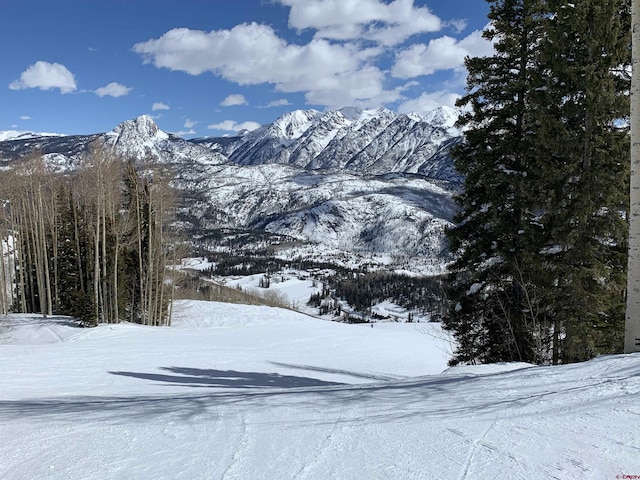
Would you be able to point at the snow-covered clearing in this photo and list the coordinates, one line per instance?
(237, 392)
(295, 287)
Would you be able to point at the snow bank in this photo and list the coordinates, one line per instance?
(35, 330)
(203, 314)
(486, 369)
(236, 392)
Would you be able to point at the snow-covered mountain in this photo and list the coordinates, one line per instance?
(444, 117)
(23, 135)
(392, 214)
(349, 179)
(366, 141)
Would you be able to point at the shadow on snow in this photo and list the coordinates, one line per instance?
(198, 377)
(233, 392)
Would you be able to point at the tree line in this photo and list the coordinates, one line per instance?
(541, 234)
(359, 288)
(362, 291)
(91, 242)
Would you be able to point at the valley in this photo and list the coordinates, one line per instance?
(356, 191)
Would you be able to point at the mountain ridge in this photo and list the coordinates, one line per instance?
(360, 181)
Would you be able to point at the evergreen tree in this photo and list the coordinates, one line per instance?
(582, 167)
(632, 323)
(491, 234)
(541, 230)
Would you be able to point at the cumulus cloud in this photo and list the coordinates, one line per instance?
(444, 53)
(190, 123)
(235, 99)
(113, 90)
(250, 54)
(429, 101)
(183, 133)
(385, 23)
(457, 25)
(25, 117)
(343, 64)
(233, 126)
(159, 106)
(46, 76)
(281, 102)
(364, 87)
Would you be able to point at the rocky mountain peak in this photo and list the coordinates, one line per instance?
(141, 128)
(444, 117)
(292, 125)
(137, 138)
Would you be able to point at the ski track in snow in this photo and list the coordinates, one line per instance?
(234, 392)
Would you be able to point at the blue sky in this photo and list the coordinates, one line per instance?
(212, 67)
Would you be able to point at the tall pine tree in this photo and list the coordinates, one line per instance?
(541, 229)
(489, 279)
(581, 186)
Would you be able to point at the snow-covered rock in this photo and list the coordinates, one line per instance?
(23, 135)
(375, 141)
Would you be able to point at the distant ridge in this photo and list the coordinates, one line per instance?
(348, 180)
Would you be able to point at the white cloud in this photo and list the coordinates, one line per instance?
(428, 102)
(233, 126)
(25, 117)
(281, 102)
(235, 99)
(251, 54)
(385, 23)
(457, 25)
(359, 88)
(190, 123)
(46, 76)
(113, 90)
(159, 106)
(183, 133)
(444, 53)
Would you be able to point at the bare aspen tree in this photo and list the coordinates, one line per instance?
(152, 202)
(632, 320)
(90, 242)
(28, 211)
(6, 279)
(102, 191)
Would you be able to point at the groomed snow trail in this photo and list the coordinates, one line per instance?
(235, 392)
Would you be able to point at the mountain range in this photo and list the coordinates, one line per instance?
(361, 182)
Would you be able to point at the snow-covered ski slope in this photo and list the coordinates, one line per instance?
(236, 392)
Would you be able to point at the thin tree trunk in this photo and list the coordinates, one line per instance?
(632, 322)
(140, 263)
(4, 303)
(76, 233)
(96, 264)
(116, 313)
(107, 316)
(45, 256)
(18, 263)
